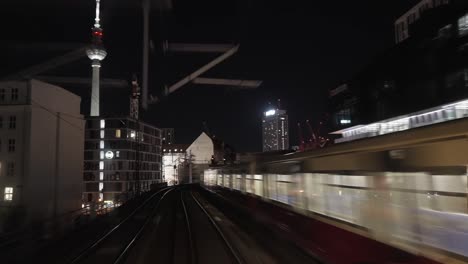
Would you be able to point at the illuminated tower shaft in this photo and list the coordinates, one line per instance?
(95, 90)
(96, 53)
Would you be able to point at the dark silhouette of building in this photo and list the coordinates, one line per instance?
(426, 69)
(168, 136)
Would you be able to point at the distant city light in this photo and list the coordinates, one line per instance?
(270, 112)
(345, 121)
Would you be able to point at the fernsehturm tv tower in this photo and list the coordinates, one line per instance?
(96, 53)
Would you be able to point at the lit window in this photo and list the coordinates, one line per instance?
(10, 169)
(117, 154)
(101, 176)
(103, 123)
(132, 134)
(463, 25)
(101, 155)
(12, 124)
(117, 133)
(345, 121)
(101, 144)
(101, 186)
(8, 194)
(11, 145)
(101, 165)
(102, 134)
(14, 94)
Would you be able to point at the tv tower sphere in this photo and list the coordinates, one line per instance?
(96, 54)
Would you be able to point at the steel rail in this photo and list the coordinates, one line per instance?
(99, 241)
(193, 255)
(220, 233)
(129, 246)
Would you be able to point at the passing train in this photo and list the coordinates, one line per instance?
(406, 190)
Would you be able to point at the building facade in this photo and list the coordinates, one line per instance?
(205, 151)
(173, 156)
(41, 152)
(275, 129)
(405, 22)
(428, 69)
(122, 158)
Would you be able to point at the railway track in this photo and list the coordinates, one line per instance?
(115, 245)
(210, 243)
(183, 232)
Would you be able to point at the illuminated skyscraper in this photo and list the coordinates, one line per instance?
(275, 130)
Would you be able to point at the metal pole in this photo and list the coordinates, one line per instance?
(190, 166)
(137, 158)
(146, 14)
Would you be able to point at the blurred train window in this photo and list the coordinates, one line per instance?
(450, 183)
(282, 182)
(227, 181)
(314, 192)
(258, 185)
(220, 180)
(249, 183)
(237, 181)
(449, 193)
(210, 177)
(272, 192)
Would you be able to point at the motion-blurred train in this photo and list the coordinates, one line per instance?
(366, 200)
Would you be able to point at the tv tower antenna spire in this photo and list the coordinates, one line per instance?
(97, 19)
(96, 53)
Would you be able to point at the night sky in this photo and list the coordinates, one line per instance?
(300, 49)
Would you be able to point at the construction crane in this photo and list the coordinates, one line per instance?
(302, 145)
(318, 141)
(313, 141)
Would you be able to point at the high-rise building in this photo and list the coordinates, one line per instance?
(41, 152)
(122, 158)
(275, 130)
(404, 23)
